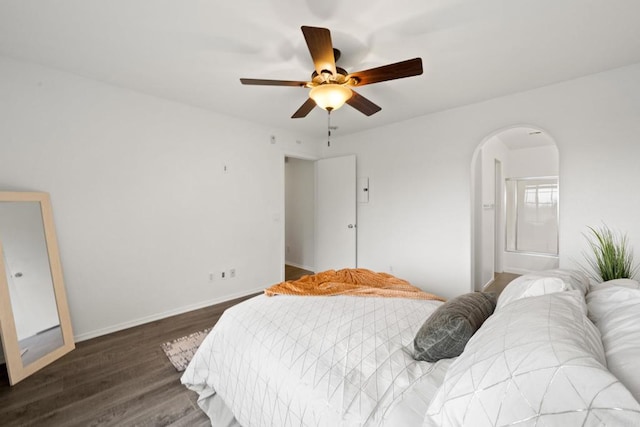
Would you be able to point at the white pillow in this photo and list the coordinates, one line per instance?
(626, 283)
(538, 361)
(609, 296)
(542, 283)
(615, 309)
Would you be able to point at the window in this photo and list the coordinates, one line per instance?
(532, 215)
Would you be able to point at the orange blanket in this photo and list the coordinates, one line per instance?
(358, 281)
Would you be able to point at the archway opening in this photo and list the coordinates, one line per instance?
(515, 198)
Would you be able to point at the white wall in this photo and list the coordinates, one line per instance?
(492, 150)
(419, 218)
(533, 162)
(417, 223)
(300, 213)
(142, 205)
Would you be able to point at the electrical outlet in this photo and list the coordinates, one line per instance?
(211, 277)
(232, 273)
(223, 275)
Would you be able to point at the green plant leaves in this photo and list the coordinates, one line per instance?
(610, 256)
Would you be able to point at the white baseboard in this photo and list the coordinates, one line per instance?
(142, 320)
(486, 285)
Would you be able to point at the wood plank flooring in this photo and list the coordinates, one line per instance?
(120, 379)
(294, 273)
(500, 281)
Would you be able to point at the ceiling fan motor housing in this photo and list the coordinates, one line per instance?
(331, 86)
(341, 77)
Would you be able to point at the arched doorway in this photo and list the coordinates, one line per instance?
(515, 188)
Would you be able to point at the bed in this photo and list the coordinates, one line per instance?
(539, 359)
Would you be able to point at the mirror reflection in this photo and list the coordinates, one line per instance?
(35, 325)
(29, 280)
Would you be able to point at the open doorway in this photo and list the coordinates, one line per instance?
(320, 214)
(299, 217)
(514, 231)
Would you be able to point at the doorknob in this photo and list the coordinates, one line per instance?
(351, 226)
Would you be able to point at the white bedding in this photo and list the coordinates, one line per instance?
(347, 361)
(614, 307)
(538, 361)
(318, 361)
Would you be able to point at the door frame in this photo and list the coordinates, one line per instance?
(498, 211)
(283, 225)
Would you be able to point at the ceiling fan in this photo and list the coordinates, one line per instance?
(331, 86)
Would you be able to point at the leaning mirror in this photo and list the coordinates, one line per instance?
(34, 316)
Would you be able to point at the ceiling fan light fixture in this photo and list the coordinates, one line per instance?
(330, 86)
(330, 96)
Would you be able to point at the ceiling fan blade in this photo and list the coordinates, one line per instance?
(399, 70)
(321, 48)
(304, 109)
(362, 104)
(272, 82)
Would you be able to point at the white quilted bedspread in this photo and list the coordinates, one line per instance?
(537, 361)
(313, 361)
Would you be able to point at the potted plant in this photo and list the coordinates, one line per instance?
(610, 257)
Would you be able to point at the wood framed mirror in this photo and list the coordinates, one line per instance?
(35, 325)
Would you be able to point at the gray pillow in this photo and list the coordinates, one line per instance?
(446, 332)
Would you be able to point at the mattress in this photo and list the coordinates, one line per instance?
(341, 360)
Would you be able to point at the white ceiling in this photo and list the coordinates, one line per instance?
(194, 51)
(520, 138)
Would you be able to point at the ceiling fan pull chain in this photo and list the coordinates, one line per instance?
(328, 128)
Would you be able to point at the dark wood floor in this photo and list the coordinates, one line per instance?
(500, 281)
(294, 273)
(120, 379)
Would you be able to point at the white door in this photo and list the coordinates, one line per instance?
(335, 213)
(498, 227)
